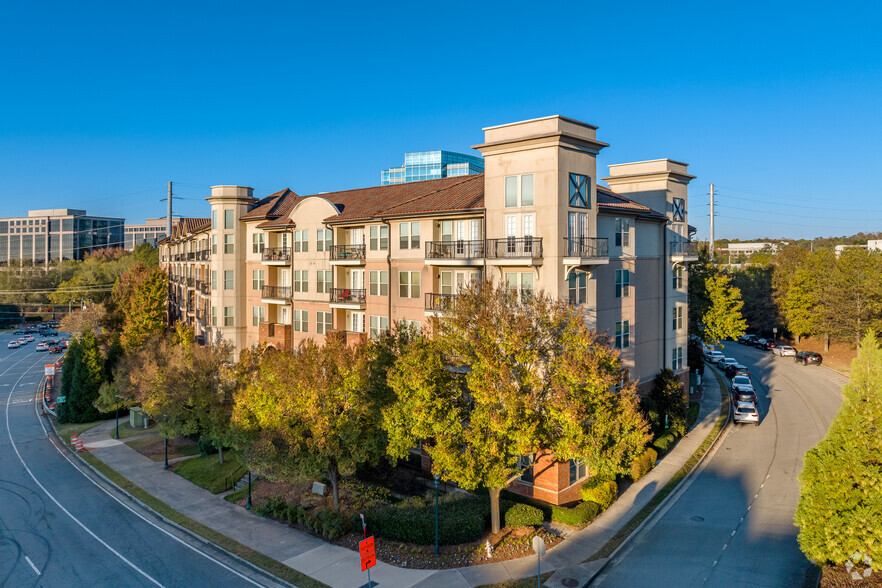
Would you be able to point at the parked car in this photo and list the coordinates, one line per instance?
(726, 362)
(41, 347)
(807, 357)
(741, 383)
(745, 396)
(747, 339)
(713, 356)
(13, 345)
(736, 369)
(745, 412)
(783, 350)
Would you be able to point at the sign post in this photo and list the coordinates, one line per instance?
(368, 557)
(61, 399)
(539, 548)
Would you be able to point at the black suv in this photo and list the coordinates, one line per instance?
(736, 369)
(807, 357)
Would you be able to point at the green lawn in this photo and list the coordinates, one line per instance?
(126, 430)
(141, 442)
(65, 431)
(207, 473)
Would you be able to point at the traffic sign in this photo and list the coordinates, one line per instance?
(61, 399)
(49, 370)
(368, 554)
(539, 545)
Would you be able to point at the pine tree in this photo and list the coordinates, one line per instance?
(72, 360)
(86, 379)
(840, 504)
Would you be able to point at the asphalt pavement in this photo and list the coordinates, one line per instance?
(733, 523)
(61, 525)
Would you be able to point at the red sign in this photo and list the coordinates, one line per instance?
(368, 554)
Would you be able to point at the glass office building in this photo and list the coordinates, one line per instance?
(151, 231)
(47, 236)
(432, 165)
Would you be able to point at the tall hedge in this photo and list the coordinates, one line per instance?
(459, 521)
(840, 504)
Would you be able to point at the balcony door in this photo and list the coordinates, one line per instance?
(577, 230)
(284, 277)
(355, 321)
(355, 236)
(356, 279)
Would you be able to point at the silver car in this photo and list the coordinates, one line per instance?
(745, 412)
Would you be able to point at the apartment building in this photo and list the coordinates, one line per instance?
(287, 267)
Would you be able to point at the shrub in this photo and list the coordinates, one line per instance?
(664, 443)
(601, 490)
(578, 516)
(459, 521)
(523, 515)
(641, 466)
(670, 400)
(517, 498)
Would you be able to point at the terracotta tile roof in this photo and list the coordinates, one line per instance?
(608, 199)
(186, 226)
(279, 204)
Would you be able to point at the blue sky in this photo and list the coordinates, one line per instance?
(777, 104)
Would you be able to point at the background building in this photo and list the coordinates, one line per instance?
(151, 231)
(47, 236)
(432, 165)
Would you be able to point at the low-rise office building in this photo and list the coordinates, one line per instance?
(49, 236)
(151, 231)
(287, 267)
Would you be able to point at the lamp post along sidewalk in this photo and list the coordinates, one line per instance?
(437, 479)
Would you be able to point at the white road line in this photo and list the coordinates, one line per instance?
(33, 567)
(141, 516)
(59, 505)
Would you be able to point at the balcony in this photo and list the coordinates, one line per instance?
(684, 251)
(347, 254)
(438, 303)
(585, 254)
(276, 294)
(191, 283)
(275, 334)
(276, 256)
(349, 337)
(455, 253)
(202, 255)
(352, 298)
(515, 251)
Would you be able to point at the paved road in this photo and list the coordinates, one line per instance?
(59, 527)
(733, 525)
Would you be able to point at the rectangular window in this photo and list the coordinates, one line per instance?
(214, 279)
(623, 232)
(228, 219)
(677, 359)
(379, 240)
(578, 290)
(213, 316)
(257, 243)
(323, 281)
(379, 283)
(409, 235)
(522, 283)
(525, 464)
(258, 279)
(677, 322)
(214, 244)
(228, 316)
(322, 322)
(301, 320)
(323, 240)
(409, 284)
(258, 315)
(678, 277)
(519, 190)
(379, 324)
(623, 334)
(228, 279)
(578, 470)
(213, 220)
(229, 246)
(301, 280)
(301, 241)
(623, 283)
(356, 322)
(580, 191)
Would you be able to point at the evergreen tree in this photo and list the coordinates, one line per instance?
(840, 504)
(72, 360)
(87, 375)
(669, 399)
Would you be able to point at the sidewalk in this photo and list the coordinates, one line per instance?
(340, 567)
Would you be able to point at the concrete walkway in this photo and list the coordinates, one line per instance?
(339, 567)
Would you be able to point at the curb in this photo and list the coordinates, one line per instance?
(675, 493)
(147, 510)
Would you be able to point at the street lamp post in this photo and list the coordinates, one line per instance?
(437, 478)
(116, 436)
(165, 467)
(248, 506)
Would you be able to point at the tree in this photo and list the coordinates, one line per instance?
(502, 378)
(799, 304)
(141, 296)
(92, 317)
(722, 319)
(755, 284)
(855, 293)
(670, 401)
(86, 368)
(310, 414)
(840, 504)
(699, 271)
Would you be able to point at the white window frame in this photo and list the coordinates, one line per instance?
(379, 283)
(623, 283)
(258, 315)
(623, 334)
(257, 243)
(301, 241)
(519, 197)
(258, 279)
(301, 321)
(409, 284)
(323, 322)
(378, 324)
(300, 281)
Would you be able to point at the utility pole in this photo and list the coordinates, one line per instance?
(168, 219)
(710, 244)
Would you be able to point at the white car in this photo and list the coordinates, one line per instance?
(741, 383)
(713, 356)
(783, 350)
(41, 347)
(727, 361)
(13, 344)
(745, 412)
